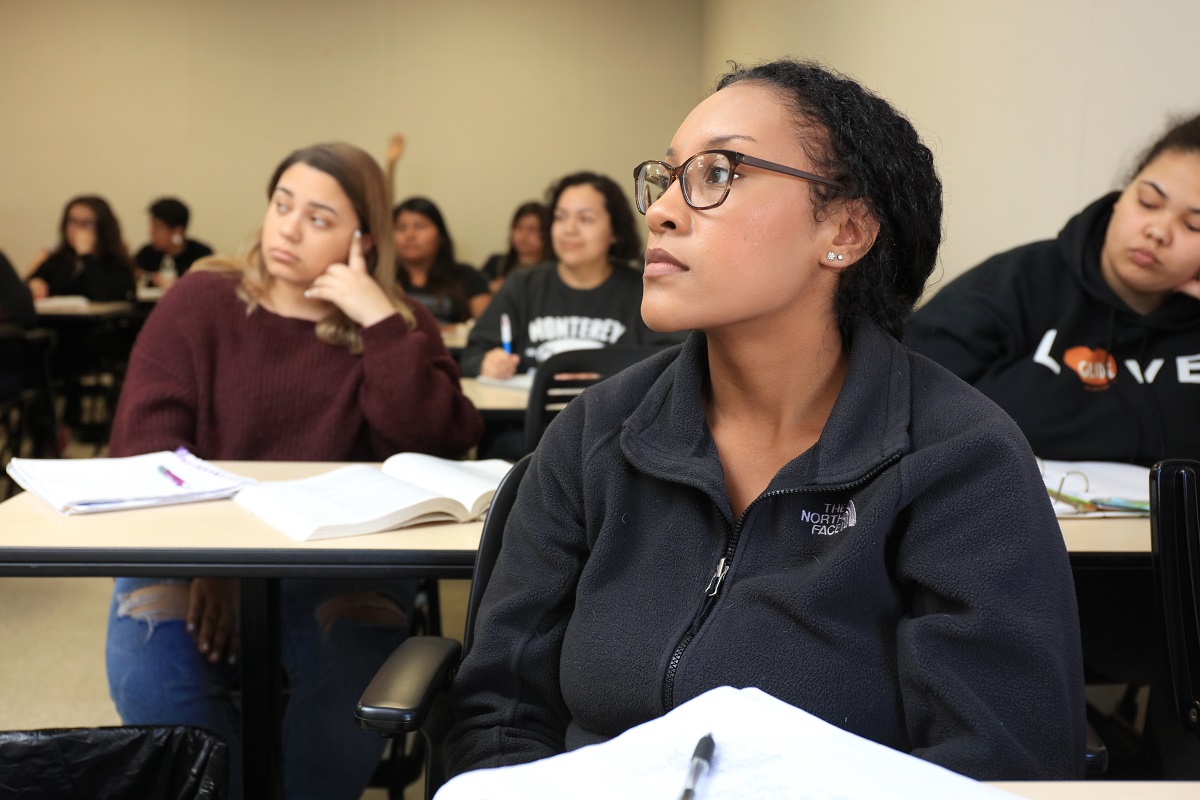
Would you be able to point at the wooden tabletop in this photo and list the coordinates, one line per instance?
(1106, 535)
(63, 307)
(491, 398)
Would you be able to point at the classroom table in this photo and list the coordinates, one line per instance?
(1107, 542)
(62, 309)
(496, 402)
(220, 539)
(1103, 790)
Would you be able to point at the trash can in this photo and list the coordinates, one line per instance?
(147, 763)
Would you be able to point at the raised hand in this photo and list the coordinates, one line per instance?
(395, 149)
(351, 288)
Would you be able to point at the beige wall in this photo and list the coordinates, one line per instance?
(134, 99)
(1033, 108)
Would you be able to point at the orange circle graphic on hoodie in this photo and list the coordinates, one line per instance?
(1096, 368)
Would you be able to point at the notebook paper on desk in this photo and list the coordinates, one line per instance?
(764, 749)
(90, 485)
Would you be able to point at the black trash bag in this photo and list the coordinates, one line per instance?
(147, 763)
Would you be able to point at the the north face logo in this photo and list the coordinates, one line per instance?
(835, 518)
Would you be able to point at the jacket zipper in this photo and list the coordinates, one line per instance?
(713, 588)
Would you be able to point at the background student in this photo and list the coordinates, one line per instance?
(426, 267)
(90, 259)
(791, 500)
(526, 244)
(305, 350)
(1091, 342)
(16, 309)
(587, 297)
(169, 249)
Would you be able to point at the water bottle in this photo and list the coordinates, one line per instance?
(166, 271)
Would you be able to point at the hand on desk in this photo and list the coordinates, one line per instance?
(39, 288)
(499, 364)
(212, 617)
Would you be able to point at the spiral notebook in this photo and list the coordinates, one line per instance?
(91, 485)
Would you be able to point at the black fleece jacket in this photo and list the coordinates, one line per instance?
(1039, 331)
(904, 579)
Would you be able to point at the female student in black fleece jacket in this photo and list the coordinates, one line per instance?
(791, 500)
(1091, 342)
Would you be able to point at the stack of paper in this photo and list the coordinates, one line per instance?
(765, 748)
(85, 486)
(1097, 488)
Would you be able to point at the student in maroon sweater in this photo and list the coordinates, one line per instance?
(303, 350)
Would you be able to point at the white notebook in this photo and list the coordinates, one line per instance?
(89, 485)
(408, 489)
(764, 748)
(1097, 488)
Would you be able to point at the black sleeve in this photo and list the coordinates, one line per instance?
(107, 279)
(491, 267)
(485, 334)
(147, 259)
(970, 324)
(16, 303)
(473, 282)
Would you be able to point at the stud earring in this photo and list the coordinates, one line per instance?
(830, 256)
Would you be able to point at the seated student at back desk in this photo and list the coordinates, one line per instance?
(303, 350)
(425, 265)
(589, 296)
(526, 245)
(1091, 342)
(16, 308)
(792, 500)
(90, 260)
(170, 252)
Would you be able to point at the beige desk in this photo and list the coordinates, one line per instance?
(57, 308)
(1104, 790)
(496, 402)
(219, 538)
(455, 337)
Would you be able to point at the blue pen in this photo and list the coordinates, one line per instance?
(506, 333)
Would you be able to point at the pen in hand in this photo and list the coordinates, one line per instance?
(178, 481)
(506, 333)
(701, 760)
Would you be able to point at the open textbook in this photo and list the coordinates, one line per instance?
(1097, 488)
(409, 488)
(89, 485)
(764, 748)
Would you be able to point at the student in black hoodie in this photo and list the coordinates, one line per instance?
(1091, 342)
(791, 499)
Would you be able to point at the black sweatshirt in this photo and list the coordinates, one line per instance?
(903, 579)
(1039, 331)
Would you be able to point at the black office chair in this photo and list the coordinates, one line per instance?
(28, 415)
(1175, 548)
(407, 694)
(564, 376)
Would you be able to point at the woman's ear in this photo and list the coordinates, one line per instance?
(854, 233)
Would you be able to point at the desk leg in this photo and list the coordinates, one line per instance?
(262, 704)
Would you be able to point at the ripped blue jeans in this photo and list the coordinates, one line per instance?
(335, 634)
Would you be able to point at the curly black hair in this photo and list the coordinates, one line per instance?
(1183, 136)
(859, 140)
(627, 245)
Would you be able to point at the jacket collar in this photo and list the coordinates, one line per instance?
(667, 435)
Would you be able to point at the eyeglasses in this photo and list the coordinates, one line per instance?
(705, 177)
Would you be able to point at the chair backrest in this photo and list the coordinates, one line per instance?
(563, 376)
(1175, 541)
(489, 543)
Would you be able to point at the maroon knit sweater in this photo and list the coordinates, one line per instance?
(227, 385)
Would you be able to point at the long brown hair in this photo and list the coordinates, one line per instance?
(365, 186)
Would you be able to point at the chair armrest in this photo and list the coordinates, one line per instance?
(403, 690)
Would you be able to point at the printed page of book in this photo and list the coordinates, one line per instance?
(471, 483)
(765, 748)
(344, 502)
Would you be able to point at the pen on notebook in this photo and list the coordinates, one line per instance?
(701, 760)
(506, 333)
(178, 481)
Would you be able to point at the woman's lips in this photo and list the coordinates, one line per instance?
(282, 256)
(1143, 258)
(660, 262)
